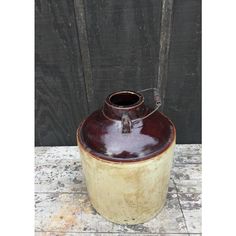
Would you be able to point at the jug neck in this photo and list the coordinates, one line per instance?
(122, 103)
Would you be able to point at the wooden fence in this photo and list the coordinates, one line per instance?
(86, 49)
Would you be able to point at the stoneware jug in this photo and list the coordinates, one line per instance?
(126, 152)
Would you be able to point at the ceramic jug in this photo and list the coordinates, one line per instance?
(127, 151)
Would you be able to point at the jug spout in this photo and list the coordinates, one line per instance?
(128, 103)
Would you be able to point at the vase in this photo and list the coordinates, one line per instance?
(127, 152)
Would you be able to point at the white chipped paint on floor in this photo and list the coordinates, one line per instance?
(63, 208)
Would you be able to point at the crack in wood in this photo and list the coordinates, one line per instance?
(177, 192)
(84, 48)
(165, 36)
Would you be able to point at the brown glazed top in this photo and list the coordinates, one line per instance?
(122, 131)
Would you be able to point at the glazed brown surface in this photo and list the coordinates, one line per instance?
(101, 133)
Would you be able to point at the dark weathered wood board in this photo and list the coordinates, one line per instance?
(183, 91)
(88, 49)
(59, 84)
(124, 44)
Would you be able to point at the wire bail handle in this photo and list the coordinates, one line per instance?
(127, 123)
(157, 99)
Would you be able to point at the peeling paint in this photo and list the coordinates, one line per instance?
(66, 210)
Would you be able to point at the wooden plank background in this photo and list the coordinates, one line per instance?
(86, 49)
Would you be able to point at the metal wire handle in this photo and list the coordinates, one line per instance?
(127, 123)
(157, 100)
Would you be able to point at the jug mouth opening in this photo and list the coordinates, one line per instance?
(125, 99)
